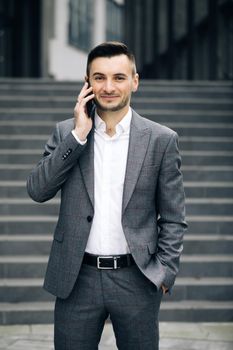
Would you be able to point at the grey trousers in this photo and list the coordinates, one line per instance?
(125, 295)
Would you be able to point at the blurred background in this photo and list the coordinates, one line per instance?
(172, 39)
(184, 54)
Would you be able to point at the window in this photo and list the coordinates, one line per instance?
(81, 23)
(114, 20)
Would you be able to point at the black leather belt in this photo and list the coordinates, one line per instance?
(108, 262)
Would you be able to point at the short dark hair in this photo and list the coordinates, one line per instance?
(110, 49)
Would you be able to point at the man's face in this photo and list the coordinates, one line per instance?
(113, 80)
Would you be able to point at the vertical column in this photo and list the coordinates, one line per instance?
(143, 29)
(99, 25)
(125, 36)
(47, 33)
(137, 34)
(155, 43)
(170, 39)
(190, 39)
(213, 38)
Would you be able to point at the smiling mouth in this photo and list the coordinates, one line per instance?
(109, 96)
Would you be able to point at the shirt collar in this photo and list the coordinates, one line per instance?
(122, 127)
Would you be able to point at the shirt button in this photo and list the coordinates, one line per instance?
(89, 218)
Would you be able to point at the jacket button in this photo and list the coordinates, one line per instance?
(89, 218)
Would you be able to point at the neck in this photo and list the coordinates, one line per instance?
(111, 118)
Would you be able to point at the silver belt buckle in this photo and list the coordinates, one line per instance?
(107, 257)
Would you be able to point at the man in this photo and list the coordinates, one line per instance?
(118, 239)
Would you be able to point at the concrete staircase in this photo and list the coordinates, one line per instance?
(201, 113)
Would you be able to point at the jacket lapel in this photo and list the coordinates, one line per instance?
(86, 162)
(138, 144)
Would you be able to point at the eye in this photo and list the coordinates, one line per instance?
(120, 78)
(98, 78)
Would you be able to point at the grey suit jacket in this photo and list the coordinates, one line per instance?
(153, 215)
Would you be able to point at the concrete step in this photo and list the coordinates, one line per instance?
(207, 157)
(24, 127)
(210, 224)
(200, 266)
(201, 129)
(145, 90)
(207, 244)
(186, 129)
(186, 311)
(27, 313)
(204, 173)
(15, 172)
(194, 206)
(154, 89)
(17, 267)
(25, 245)
(163, 116)
(206, 288)
(209, 206)
(17, 189)
(24, 224)
(195, 266)
(196, 311)
(24, 156)
(29, 83)
(20, 206)
(27, 224)
(32, 244)
(12, 189)
(12, 141)
(208, 189)
(19, 172)
(14, 290)
(180, 86)
(206, 143)
(155, 103)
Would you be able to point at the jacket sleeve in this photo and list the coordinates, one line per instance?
(171, 209)
(51, 172)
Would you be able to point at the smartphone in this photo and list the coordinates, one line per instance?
(90, 104)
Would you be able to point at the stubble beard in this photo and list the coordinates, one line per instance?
(116, 108)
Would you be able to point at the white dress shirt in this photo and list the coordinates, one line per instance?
(110, 157)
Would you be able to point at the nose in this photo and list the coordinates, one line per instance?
(108, 86)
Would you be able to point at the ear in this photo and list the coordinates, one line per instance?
(135, 82)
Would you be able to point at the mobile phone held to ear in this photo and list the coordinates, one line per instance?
(90, 104)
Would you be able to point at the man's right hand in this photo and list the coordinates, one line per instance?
(83, 123)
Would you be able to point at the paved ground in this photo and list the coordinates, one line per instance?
(174, 336)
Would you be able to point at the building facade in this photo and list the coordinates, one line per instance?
(181, 39)
(171, 39)
(51, 38)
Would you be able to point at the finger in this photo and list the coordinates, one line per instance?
(85, 85)
(88, 98)
(84, 100)
(84, 92)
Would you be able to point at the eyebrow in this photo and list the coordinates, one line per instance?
(116, 74)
